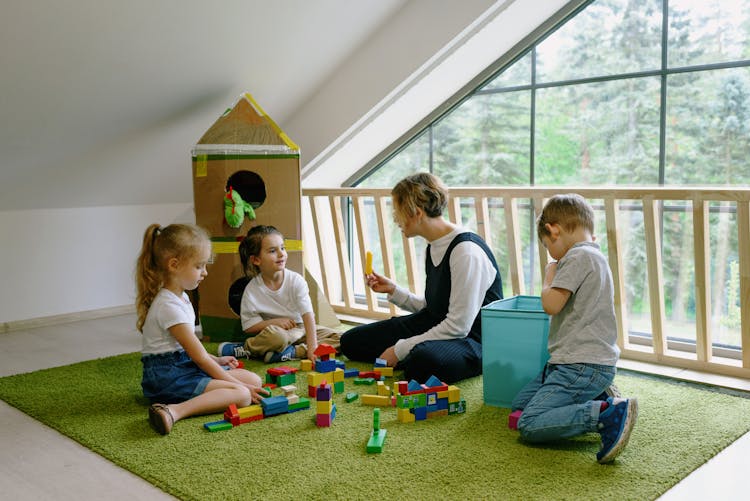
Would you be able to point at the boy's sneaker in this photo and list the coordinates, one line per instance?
(615, 425)
(288, 353)
(236, 350)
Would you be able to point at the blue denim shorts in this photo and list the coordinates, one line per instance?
(170, 378)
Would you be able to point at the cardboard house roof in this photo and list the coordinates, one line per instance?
(245, 128)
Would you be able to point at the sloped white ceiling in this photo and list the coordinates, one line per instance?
(95, 95)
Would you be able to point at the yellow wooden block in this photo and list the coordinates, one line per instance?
(383, 390)
(404, 416)
(315, 378)
(381, 400)
(250, 411)
(385, 371)
(454, 394)
(305, 365)
(368, 263)
(324, 406)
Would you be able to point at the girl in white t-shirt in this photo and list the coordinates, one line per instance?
(179, 377)
(276, 310)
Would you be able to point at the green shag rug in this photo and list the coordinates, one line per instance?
(468, 456)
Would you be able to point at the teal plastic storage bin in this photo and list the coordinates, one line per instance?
(514, 346)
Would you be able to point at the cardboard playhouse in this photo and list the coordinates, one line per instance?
(246, 172)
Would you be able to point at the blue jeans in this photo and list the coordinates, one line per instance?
(563, 401)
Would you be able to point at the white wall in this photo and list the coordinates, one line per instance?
(70, 260)
(65, 260)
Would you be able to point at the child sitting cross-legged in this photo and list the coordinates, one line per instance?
(276, 310)
(574, 394)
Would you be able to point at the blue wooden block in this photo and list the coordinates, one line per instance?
(325, 366)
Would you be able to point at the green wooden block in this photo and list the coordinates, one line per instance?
(218, 425)
(457, 407)
(377, 439)
(303, 403)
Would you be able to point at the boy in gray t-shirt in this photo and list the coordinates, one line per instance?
(574, 393)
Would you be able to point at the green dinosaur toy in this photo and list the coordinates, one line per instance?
(235, 209)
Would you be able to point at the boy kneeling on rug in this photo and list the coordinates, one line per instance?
(573, 394)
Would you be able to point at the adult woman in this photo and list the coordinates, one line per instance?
(442, 336)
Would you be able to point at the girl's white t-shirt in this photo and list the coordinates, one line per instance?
(291, 300)
(167, 310)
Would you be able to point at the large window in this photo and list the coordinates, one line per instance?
(636, 92)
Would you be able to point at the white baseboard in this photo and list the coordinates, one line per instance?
(65, 318)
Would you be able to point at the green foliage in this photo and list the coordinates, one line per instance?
(607, 130)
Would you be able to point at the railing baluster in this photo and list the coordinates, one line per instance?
(615, 264)
(324, 268)
(338, 230)
(702, 253)
(743, 227)
(543, 256)
(514, 245)
(454, 210)
(381, 210)
(654, 273)
(359, 220)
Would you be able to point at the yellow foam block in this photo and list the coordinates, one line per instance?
(338, 375)
(305, 365)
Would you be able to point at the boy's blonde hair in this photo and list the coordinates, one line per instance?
(569, 210)
(181, 241)
(419, 191)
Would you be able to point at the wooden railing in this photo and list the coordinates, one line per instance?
(345, 222)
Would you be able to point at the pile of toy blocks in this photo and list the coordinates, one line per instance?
(269, 406)
(417, 402)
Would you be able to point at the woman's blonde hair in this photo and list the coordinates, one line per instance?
(423, 191)
(181, 241)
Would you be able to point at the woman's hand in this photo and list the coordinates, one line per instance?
(379, 283)
(389, 355)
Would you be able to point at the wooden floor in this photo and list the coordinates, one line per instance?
(36, 462)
